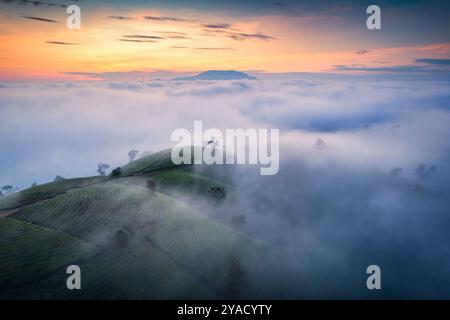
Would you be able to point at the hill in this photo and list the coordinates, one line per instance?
(218, 75)
(134, 235)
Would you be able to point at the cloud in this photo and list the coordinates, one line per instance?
(424, 65)
(173, 19)
(439, 62)
(328, 214)
(331, 108)
(246, 36)
(139, 36)
(36, 3)
(178, 37)
(40, 19)
(217, 26)
(62, 43)
(121, 17)
(395, 69)
(241, 36)
(406, 68)
(138, 41)
(362, 51)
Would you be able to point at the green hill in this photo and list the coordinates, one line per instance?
(132, 235)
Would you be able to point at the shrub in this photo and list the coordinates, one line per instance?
(121, 238)
(217, 193)
(116, 172)
(151, 184)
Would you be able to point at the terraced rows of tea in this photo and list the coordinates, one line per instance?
(48, 190)
(92, 213)
(129, 241)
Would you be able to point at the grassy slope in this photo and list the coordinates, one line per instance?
(44, 191)
(170, 250)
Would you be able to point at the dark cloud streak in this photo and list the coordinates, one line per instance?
(440, 62)
(137, 41)
(121, 18)
(36, 3)
(246, 36)
(217, 26)
(40, 19)
(140, 36)
(173, 19)
(62, 43)
(362, 51)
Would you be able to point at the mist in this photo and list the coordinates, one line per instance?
(363, 179)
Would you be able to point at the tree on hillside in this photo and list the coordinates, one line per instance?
(217, 192)
(132, 155)
(235, 279)
(423, 172)
(151, 184)
(8, 188)
(121, 238)
(101, 167)
(59, 178)
(116, 172)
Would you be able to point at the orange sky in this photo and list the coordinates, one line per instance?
(296, 45)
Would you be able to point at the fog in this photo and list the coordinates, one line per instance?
(68, 128)
(373, 190)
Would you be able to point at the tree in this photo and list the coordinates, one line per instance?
(116, 172)
(8, 188)
(423, 172)
(217, 193)
(235, 279)
(151, 184)
(121, 238)
(101, 167)
(59, 178)
(132, 154)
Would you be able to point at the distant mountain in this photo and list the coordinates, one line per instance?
(218, 75)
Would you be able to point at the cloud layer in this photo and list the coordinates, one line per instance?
(99, 121)
(363, 175)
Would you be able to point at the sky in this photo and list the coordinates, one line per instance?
(150, 39)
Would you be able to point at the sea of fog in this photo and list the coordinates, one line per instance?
(364, 172)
